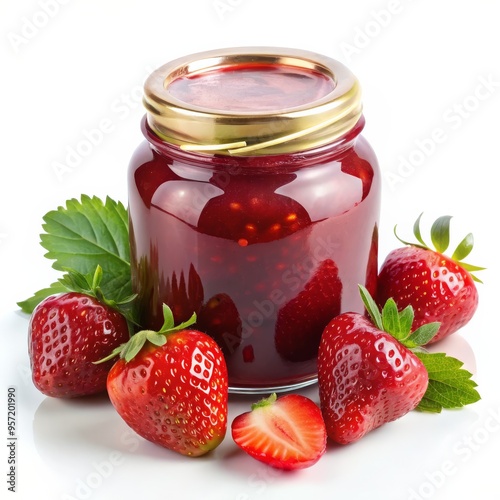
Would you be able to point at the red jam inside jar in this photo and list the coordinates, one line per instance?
(251, 87)
(254, 202)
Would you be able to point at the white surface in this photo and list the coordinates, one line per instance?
(82, 67)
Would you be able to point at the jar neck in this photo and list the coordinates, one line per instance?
(252, 101)
(262, 163)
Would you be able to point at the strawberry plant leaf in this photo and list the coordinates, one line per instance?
(440, 233)
(450, 386)
(28, 305)
(88, 233)
(83, 235)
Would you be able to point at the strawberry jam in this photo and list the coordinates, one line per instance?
(254, 202)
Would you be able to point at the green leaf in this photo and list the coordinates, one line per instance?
(371, 307)
(450, 386)
(416, 231)
(406, 320)
(184, 324)
(470, 268)
(77, 282)
(88, 233)
(424, 334)
(169, 322)
(168, 319)
(156, 338)
(115, 352)
(464, 248)
(390, 319)
(29, 304)
(440, 233)
(134, 345)
(429, 406)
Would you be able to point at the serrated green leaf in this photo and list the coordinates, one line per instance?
(440, 233)
(371, 307)
(29, 304)
(424, 334)
(429, 406)
(88, 233)
(450, 386)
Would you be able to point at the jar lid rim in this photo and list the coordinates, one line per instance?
(262, 131)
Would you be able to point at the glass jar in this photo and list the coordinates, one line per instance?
(254, 202)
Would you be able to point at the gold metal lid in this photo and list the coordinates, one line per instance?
(213, 128)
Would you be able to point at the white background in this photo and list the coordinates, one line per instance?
(430, 73)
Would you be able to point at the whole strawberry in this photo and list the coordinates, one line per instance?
(67, 333)
(373, 373)
(438, 287)
(171, 387)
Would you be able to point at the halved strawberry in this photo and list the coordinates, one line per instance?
(286, 433)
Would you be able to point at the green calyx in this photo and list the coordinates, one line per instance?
(450, 386)
(265, 401)
(398, 323)
(440, 237)
(130, 349)
(90, 284)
